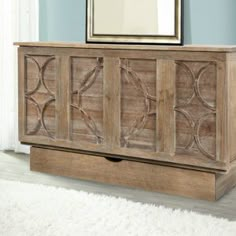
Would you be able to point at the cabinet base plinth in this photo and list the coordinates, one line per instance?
(152, 177)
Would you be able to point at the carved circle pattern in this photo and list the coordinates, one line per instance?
(138, 125)
(87, 83)
(41, 108)
(180, 108)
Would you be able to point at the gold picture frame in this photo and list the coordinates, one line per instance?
(104, 19)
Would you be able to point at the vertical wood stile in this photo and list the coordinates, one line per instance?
(159, 107)
(221, 113)
(111, 102)
(231, 109)
(63, 97)
(165, 121)
(170, 127)
(21, 93)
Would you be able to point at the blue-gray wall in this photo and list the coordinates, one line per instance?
(205, 21)
(62, 20)
(210, 21)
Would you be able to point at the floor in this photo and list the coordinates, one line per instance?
(16, 167)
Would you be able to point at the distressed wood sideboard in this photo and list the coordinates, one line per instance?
(156, 117)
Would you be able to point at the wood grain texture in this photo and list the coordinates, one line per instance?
(87, 99)
(123, 101)
(188, 161)
(160, 106)
(131, 54)
(189, 183)
(138, 102)
(192, 48)
(165, 119)
(226, 182)
(231, 114)
(111, 103)
(40, 95)
(170, 97)
(63, 98)
(196, 108)
(222, 141)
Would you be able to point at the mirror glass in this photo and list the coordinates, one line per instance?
(134, 21)
(134, 17)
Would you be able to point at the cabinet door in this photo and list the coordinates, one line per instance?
(86, 103)
(145, 109)
(201, 105)
(196, 108)
(37, 96)
(172, 111)
(147, 99)
(138, 104)
(61, 98)
(147, 117)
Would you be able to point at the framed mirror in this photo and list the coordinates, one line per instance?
(134, 21)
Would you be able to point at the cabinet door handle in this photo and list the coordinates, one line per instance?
(113, 159)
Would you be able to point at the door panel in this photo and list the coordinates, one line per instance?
(40, 89)
(196, 108)
(157, 109)
(87, 100)
(138, 104)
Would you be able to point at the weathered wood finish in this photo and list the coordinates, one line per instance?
(111, 104)
(138, 103)
(87, 99)
(189, 48)
(40, 95)
(63, 98)
(225, 182)
(188, 183)
(231, 70)
(177, 181)
(169, 105)
(165, 120)
(196, 107)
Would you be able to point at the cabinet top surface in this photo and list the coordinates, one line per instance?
(198, 48)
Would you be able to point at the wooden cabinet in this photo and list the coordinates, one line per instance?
(171, 106)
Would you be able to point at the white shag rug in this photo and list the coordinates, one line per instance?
(37, 210)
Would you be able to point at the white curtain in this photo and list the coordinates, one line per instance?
(18, 22)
